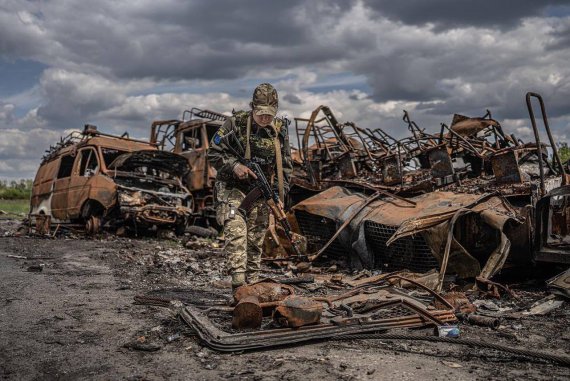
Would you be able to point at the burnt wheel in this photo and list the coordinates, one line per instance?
(93, 225)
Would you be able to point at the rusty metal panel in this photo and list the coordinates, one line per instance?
(297, 311)
(440, 162)
(59, 198)
(506, 168)
(391, 173)
(346, 166)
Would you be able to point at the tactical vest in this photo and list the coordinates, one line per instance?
(261, 141)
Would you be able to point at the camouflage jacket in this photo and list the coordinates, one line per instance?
(262, 151)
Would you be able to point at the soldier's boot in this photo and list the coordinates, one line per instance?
(238, 279)
(251, 277)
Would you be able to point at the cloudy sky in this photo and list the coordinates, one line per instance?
(121, 64)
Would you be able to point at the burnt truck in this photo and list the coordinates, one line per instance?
(96, 180)
(190, 137)
(467, 200)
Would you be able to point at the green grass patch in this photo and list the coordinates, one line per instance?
(15, 207)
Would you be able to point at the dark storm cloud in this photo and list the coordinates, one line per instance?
(263, 22)
(446, 14)
(115, 63)
(72, 98)
(560, 38)
(170, 39)
(293, 99)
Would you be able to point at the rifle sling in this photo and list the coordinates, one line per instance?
(279, 164)
(248, 133)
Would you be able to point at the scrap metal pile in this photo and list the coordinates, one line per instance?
(465, 201)
(472, 154)
(339, 306)
(273, 314)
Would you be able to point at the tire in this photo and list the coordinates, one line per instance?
(92, 214)
(200, 231)
(93, 225)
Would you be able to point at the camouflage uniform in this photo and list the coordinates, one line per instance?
(244, 234)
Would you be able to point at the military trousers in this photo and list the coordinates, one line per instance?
(243, 235)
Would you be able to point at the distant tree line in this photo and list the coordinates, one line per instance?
(564, 152)
(14, 190)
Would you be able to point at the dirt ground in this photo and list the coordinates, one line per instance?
(77, 319)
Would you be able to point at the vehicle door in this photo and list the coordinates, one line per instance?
(85, 170)
(61, 186)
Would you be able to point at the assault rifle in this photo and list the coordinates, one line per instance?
(262, 189)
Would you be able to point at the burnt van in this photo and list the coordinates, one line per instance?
(97, 180)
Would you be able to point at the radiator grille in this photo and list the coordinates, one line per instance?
(392, 312)
(410, 253)
(318, 230)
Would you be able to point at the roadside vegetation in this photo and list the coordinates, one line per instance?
(15, 196)
(15, 190)
(564, 152)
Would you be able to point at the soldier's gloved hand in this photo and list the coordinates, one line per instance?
(242, 172)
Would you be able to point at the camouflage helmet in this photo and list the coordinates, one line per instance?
(265, 100)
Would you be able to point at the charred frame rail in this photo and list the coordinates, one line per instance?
(529, 95)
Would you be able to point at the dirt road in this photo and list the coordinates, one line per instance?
(76, 319)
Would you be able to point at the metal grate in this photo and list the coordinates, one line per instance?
(392, 312)
(410, 253)
(318, 230)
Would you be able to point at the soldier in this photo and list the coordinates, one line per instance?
(264, 139)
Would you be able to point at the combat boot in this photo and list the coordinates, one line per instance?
(238, 279)
(252, 277)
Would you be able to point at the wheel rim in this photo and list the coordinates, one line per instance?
(93, 225)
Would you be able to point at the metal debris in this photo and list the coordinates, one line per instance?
(560, 284)
(247, 314)
(544, 306)
(464, 201)
(372, 307)
(265, 290)
(297, 311)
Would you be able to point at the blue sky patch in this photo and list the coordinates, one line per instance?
(18, 76)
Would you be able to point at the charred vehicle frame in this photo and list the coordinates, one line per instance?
(469, 200)
(190, 138)
(96, 179)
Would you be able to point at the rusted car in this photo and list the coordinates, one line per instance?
(96, 179)
(190, 138)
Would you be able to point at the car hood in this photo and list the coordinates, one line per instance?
(168, 162)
